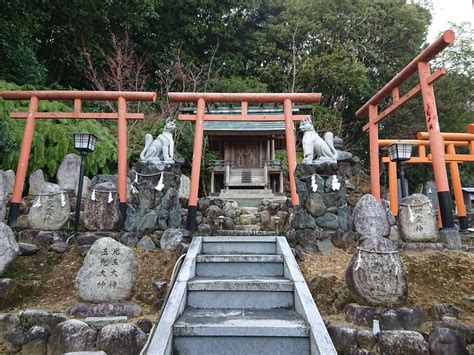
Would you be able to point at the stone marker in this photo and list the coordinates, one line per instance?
(375, 274)
(184, 187)
(7, 179)
(8, 247)
(50, 210)
(416, 219)
(108, 273)
(370, 218)
(102, 212)
(36, 182)
(68, 171)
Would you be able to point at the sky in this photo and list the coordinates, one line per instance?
(445, 11)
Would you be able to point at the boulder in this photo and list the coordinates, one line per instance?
(71, 335)
(118, 339)
(184, 187)
(346, 241)
(129, 239)
(416, 219)
(367, 340)
(98, 323)
(315, 204)
(446, 341)
(440, 310)
(7, 288)
(146, 243)
(401, 342)
(108, 273)
(359, 315)
(375, 275)
(51, 210)
(12, 340)
(34, 317)
(170, 239)
(204, 229)
(325, 246)
(86, 188)
(28, 249)
(36, 182)
(8, 247)
(328, 221)
(344, 339)
(212, 215)
(248, 219)
(408, 318)
(67, 174)
(370, 217)
(36, 341)
(101, 213)
(145, 325)
(229, 210)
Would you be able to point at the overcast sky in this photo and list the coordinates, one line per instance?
(445, 11)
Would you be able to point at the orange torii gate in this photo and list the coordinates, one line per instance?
(421, 65)
(452, 141)
(201, 99)
(77, 96)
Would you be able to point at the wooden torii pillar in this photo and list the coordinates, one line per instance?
(77, 97)
(201, 99)
(421, 66)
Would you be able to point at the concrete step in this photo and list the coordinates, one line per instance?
(240, 292)
(237, 331)
(239, 265)
(239, 245)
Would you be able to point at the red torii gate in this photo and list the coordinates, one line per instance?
(421, 65)
(287, 99)
(77, 96)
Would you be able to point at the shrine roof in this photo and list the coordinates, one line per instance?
(244, 126)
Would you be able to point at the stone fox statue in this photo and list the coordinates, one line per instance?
(162, 148)
(314, 144)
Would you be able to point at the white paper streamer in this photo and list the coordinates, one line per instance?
(335, 184)
(110, 199)
(314, 185)
(37, 203)
(134, 190)
(411, 214)
(93, 198)
(136, 178)
(396, 264)
(63, 200)
(359, 261)
(160, 184)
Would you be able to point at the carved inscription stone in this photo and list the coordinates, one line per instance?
(50, 209)
(416, 219)
(108, 274)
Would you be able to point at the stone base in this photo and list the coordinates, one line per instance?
(451, 238)
(105, 309)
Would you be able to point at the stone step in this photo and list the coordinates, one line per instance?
(239, 245)
(241, 292)
(240, 322)
(239, 265)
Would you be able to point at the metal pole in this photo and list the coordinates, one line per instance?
(79, 190)
(403, 187)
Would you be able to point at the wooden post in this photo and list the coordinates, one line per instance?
(457, 190)
(436, 145)
(393, 188)
(291, 150)
(374, 152)
(22, 166)
(122, 159)
(196, 165)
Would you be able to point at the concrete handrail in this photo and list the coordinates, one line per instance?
(321, 342)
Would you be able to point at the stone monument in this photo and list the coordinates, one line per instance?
(417, 219)
(108, 273)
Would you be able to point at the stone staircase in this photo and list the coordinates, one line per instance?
(240, 295)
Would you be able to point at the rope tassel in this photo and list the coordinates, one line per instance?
(63, 200)
(110, 199)
(359, 261)
(93, 198)
(160, 184)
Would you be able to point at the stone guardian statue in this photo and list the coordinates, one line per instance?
(160, 150)
(313, 144)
